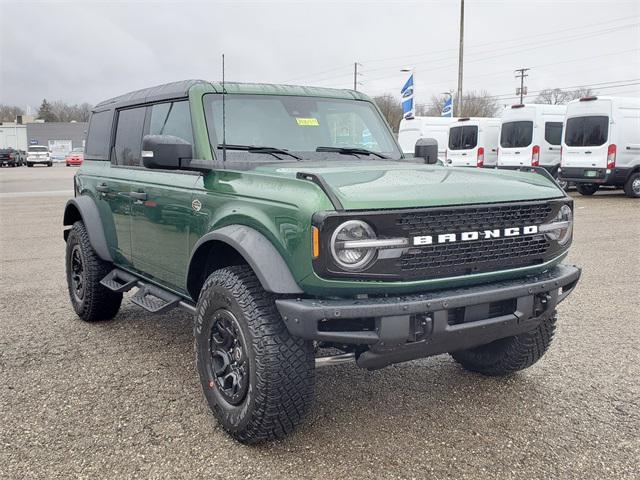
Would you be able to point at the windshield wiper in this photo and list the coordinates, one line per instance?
(257, 149)
(350, 151)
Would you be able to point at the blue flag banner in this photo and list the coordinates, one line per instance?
(408, 109)
(447, 110)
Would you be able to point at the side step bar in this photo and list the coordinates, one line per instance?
(119, 281)
(150, 297)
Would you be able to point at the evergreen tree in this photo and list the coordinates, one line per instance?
(46, 113)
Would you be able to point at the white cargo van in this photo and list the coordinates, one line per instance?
(412, 130)
(473, 142)
(530, 136)
(601, 144)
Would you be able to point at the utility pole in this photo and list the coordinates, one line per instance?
(355, 75)
(460, 59)
(522, 90)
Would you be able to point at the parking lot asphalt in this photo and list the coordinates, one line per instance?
(121, 399)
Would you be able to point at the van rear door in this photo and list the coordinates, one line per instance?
(550, 151)
(516, 144)
(463, 144)
(586, 141)
(586, 133)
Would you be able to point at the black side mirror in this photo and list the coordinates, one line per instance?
(166, 152)
(427, 149)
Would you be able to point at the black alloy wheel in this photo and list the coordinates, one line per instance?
(229, 364)
(77, 273)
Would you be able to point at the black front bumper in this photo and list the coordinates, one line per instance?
(419, 325)
(602, 176)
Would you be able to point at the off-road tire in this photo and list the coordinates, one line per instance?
(511, 354)
(97, 302)
(587, 189)
(629, 189)
(280, 367)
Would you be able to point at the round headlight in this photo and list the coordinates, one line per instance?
(348, 258)
(561, 227)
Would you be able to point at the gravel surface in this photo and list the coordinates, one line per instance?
(121, 399)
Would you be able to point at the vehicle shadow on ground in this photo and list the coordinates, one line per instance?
(419, 399)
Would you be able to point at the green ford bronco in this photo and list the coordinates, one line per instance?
(289, 223)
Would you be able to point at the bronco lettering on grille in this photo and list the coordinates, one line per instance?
(473, 235)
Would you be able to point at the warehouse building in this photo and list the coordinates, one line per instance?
(13, 135)
(60, 137)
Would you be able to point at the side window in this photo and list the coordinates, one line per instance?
(99, 135)
(553, 132)
(171, 119)
(129, 136)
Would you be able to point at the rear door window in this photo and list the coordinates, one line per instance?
(128, 143)
(99, 135)
(463, 138)
(589, 131)
(553, 132)
(516, 134)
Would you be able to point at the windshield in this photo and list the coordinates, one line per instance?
(77, 150)
(38, 149)
(463, 138)
(587, 131)
(298, 124)
(516, 134)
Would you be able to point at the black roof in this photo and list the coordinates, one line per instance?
(152, 94)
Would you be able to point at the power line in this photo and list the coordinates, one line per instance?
(537, 35)
(538, 67)
(502, 42)
(517, 51)
(597, 86)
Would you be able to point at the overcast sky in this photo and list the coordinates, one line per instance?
(88, 51)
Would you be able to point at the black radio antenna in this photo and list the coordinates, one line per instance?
(224, 117)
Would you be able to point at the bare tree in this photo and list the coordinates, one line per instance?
(474, 104)
(65, 112)
(8, 113)
(391, 108)
(478, 104)
(557, 96)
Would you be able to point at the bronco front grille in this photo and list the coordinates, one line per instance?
(456, 258)
(473, 257)
(462, 258)
(473, 218)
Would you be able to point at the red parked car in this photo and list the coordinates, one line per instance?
(74, 157)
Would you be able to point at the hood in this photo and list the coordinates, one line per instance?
(378, 185)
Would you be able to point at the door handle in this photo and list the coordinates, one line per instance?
(464, 154)
(102, 187)
(138, 195)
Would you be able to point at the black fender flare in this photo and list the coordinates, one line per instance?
(259, 253)
(90, 216)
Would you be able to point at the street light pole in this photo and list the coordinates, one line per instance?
(460, 60)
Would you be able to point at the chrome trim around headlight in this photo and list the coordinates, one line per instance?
(368, 257)
(377, 243)
(561, 228)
